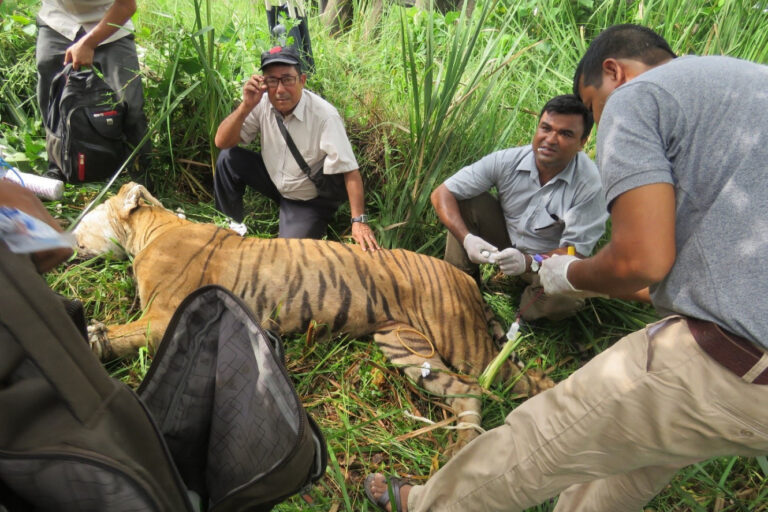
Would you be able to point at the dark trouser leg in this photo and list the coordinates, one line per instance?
(49, 50)
(119, 64)
(484, 217)
(235, 168)
(300, 35)
(306, 219)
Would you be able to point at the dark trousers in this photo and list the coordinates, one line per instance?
(485, 218)
(237, 168)
(120, 66)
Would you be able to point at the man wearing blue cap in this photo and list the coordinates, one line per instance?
(304, 148)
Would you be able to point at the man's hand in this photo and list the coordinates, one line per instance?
(363, 235)
(16, 196)
(80, 54)
(253, 90)
(554, 278)
(478, 250)
(510, 261)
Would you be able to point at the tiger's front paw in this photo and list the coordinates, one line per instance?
(98, 340)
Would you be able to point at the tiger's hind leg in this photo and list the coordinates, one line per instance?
(408, 349)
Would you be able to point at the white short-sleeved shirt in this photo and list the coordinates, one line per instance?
(568, 210)
(318, 132)
(67, 17)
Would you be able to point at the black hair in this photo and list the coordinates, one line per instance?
(620, 42)
(570, 104)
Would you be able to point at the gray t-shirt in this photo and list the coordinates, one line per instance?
(568, 210)
(701, 124)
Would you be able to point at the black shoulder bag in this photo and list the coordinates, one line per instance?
(329, 186)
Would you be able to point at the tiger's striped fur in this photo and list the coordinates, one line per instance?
(392, 294)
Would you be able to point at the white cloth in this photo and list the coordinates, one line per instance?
(318, 132)
(67, 17)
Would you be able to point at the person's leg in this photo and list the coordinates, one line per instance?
(484, 217)
(535, 304)
(306, 219)
(119, 63)
(629, 491)
(299, 33)
(49, 52)
(303, 44)
(235, 168)
(653, 399)
(272, 13)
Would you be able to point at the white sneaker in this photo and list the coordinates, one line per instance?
(238, 227)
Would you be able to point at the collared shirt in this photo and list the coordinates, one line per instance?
(67, 17)
(318, 132)
(568, 210)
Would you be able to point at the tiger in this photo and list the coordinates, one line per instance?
(418, 309)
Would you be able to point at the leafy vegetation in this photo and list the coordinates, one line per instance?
(422, 95)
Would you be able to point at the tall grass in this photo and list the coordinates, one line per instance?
(422, 94)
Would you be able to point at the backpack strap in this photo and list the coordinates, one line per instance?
(330, 186)
(294, 150)
(54, 94)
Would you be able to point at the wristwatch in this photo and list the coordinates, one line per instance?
(362, 218)
(535, 262)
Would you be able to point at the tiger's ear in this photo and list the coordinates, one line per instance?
(133, 194)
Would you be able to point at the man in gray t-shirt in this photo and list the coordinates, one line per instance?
(683, 152)
(549, 201)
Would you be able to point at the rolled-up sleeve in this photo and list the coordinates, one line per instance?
(585, 221)
(477, 178)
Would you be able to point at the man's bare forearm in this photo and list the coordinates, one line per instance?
(228, 133)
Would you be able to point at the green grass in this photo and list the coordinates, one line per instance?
(421, 96)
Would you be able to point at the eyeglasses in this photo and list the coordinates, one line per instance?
(287, 81)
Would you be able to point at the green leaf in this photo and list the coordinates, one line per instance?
(762, 461)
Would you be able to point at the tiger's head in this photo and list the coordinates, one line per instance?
(106, 229)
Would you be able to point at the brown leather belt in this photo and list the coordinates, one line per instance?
(734, 352)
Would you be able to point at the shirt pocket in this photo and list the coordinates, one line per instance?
(547, 224)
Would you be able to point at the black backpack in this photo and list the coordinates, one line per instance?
(227, 408)
(84, 131)
(229, 426)
(71, 438)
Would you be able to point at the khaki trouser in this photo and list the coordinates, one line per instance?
(610, 436)
(484, 218)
